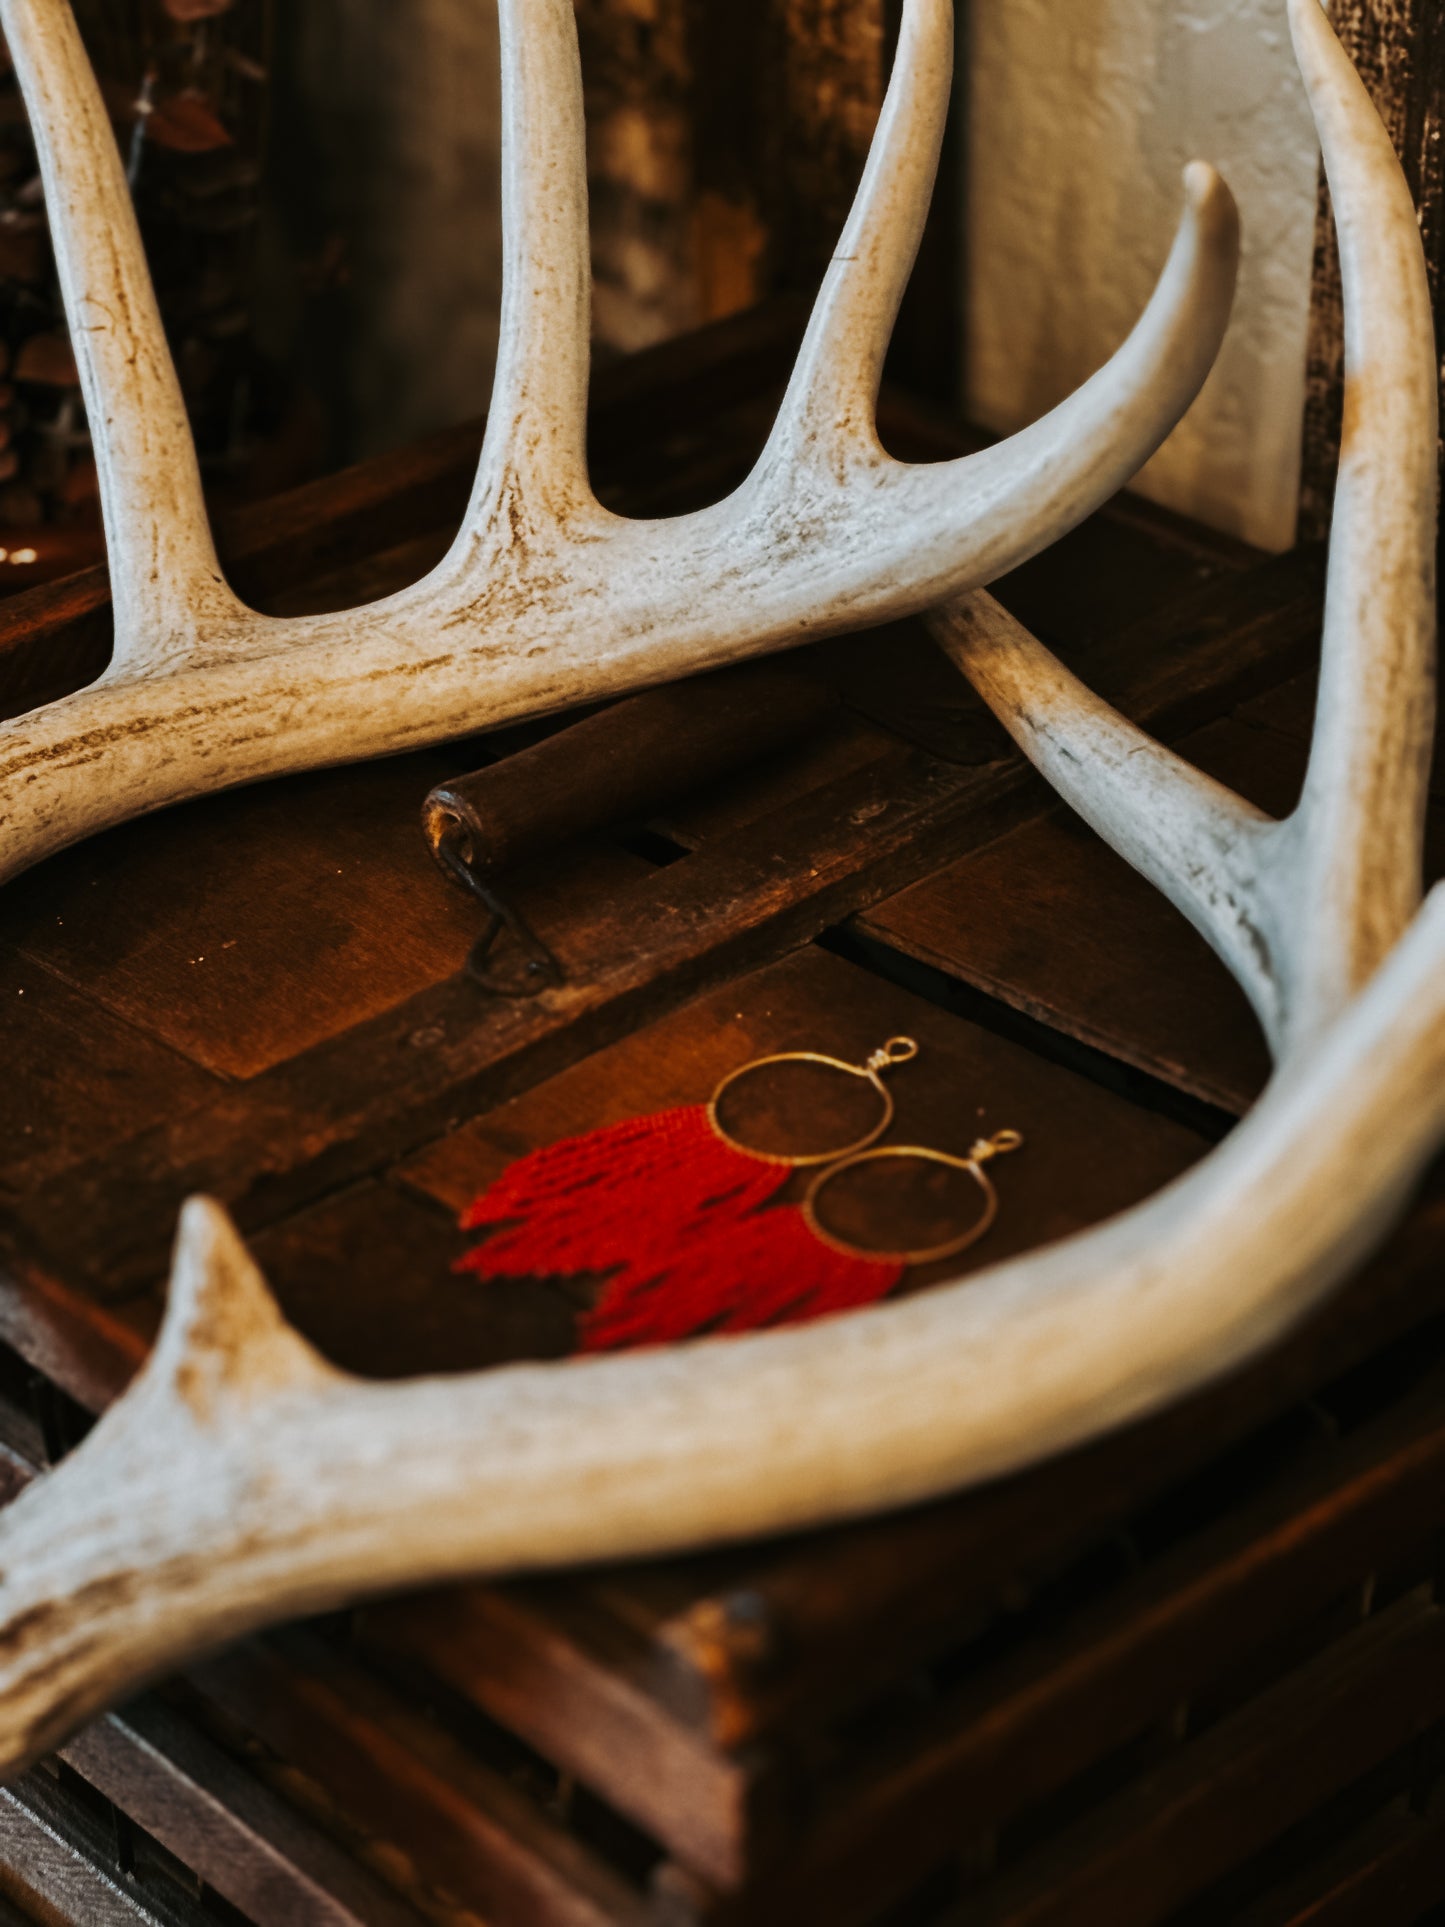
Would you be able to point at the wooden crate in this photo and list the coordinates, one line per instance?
(1193, 1672)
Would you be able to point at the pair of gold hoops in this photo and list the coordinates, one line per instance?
(866, 1149)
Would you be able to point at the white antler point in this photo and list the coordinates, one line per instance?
(224, 1335)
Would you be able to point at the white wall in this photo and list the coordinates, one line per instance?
(1082, 116)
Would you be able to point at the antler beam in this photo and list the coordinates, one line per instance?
(242, 1478)
(544, 599)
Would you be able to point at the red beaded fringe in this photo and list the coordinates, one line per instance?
(672, 1212)
(589, 1203)
(764, 1269)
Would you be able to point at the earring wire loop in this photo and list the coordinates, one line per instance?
(898, 1050)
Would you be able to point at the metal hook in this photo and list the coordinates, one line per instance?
(540, 971)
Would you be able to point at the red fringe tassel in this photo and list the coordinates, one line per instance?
(590, 1203)
(672, 1212)
(765, 1269)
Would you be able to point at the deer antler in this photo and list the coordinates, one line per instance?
(1302, 911)
(545, 599)
(241, 1478)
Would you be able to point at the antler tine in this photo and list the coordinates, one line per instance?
(963, 522)
(1301, 911)
(1359, 831)
(1027, 491)
(535, 450)
(833, 391)
(1196, 841)
(166, 582)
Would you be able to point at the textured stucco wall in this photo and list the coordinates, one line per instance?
(1082, 114)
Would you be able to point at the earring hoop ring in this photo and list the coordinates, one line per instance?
(898, 1050)
(986, 1148)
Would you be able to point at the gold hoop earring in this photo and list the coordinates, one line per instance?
(898, 1050)
(985, 1149)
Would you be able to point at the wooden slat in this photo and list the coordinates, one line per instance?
(75, 1080)
(993, 918)
(312, 906)
(563, 1681)
(219, 1820)
(1179, 1829)
(41, 1869)
(463, 1834)
(367, 1276)
(1388, 1873)
(1289, 708)
(89, 1352)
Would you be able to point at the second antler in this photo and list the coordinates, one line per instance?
(545, 598)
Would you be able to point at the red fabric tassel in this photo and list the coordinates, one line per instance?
(764, 1269)
(606, 1199)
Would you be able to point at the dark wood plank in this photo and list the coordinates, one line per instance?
(308, 906)
(1289, 709)
(75, 1080)
(1226, 1795)
(1389, 1873)
(217, 1819)
(87, 1350)
(1211, 648)
(563, 1681)
(43, 1871)
(993, 921)
(457, 1831)
(367, 1276)
(1133, 979)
